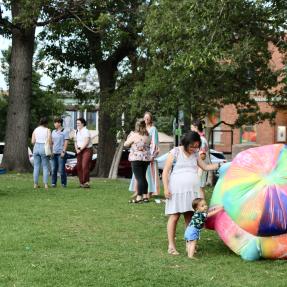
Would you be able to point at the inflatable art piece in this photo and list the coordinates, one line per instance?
(251, 202)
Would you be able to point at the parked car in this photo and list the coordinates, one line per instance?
(71, 164)
(123, 171)
(2, 144)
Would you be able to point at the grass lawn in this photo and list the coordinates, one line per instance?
(80, 237)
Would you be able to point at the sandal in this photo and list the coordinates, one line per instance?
(146, 200)
(136, 201)
(172, 251)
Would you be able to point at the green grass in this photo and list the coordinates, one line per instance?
(80, 237)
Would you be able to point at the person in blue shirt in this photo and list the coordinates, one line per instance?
(192, 232)
(60, 140)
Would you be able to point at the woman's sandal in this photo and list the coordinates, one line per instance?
(172, 251)
(135, 201)
(146, 200)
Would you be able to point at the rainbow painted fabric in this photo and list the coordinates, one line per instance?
(251, 202)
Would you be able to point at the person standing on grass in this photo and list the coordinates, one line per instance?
(140, 157)
(83, 147)
(60, 140)
(197, 126)
(152, 173)
(181, 183)
(40, 136)
(192, 232)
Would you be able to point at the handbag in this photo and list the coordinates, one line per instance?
(47, 146)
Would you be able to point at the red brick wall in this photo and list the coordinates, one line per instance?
(265, 132)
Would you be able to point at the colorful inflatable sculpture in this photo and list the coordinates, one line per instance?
(251, 202)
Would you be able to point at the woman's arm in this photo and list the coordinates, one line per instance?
(154, 146)
(130, 140)
(76, 146)
(86, 143)
(65, 145)
(33, 139)
(206, 167)
(49, 137)
(165, 174)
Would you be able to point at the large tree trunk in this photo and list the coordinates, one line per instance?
(20, 89)
(107, 132)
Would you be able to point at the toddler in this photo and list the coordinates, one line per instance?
(192, 232)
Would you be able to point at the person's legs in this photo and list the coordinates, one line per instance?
(55, 167)
(187, 217)
(86, 165)
(138, 170)
(45, 163)
(145, 183)
(171, 230)
(62, 163)
(79, 168)
(37, 165)
(191, 248)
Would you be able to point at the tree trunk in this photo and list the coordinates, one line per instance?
(116, 161)
(20, 90)
(107, 132)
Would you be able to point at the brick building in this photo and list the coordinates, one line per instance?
(261, 134)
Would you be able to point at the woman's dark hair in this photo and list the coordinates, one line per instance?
(190, 138)
(43, 122)
(150, 115)
(83, 121)
(58, 120)
(140, 127)
(198, 124)
(196, 202)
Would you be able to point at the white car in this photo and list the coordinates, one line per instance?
(2, 144)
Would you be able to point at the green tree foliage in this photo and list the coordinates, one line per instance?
(98, 34)
(44, 102)
(206, 54)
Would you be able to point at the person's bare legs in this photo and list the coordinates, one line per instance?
(135, 193)
(187, 218)
(191, 248)
(171, 230)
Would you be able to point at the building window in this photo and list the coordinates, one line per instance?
(92, 120)
(70, 120)
(248, 134)
(212, 120)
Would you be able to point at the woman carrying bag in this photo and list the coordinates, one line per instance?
(41, 139)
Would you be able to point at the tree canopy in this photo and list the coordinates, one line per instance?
(206, 54)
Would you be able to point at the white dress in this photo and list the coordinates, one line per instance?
(184, 183)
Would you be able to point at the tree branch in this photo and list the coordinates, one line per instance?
(5, 23)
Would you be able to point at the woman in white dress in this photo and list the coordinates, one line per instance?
(182, 183)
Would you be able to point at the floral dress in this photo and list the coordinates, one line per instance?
(152, 174)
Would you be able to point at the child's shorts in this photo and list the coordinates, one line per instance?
(191, 233)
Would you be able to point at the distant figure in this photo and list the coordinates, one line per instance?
(152, 174)
(40, 136)
(203, 152)
(83, 147)
(60, 140)
(140, 157)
